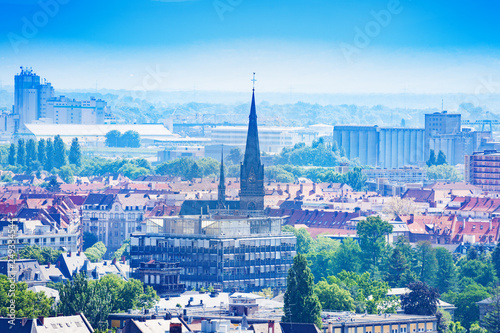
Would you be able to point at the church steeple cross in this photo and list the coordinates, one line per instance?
(253, 80)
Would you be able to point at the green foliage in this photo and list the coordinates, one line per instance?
(131, 139)
(49, 155)
(319, 154)
(467, 311)
(53, 185)
(96, 252)
(446, 273)
(372, 234)
(21, 153)
(59, 152)
(441, 159)
(187, 168)
(492, 318)
(427, 263)
(31, 153)
(421, 300)
(304, 240)
(444, 172)
(432, 158)
(66, 174)
(97, 299)
(42, 154)
(495, 258)
(27, 303)
(12, 154)
(398, 267)
(122, 251)
(301, 305)
(89, 239)
(332, 297)
(475, 328)
(43, 255)
(75, 153)
(456, 327)
(482, 272)
(235, 156)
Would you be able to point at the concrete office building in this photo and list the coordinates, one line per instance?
(35, 102)
(483, 169)
(382, 147)
(441, 123)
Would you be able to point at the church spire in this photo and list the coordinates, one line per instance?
(221, 204)
(252, 171)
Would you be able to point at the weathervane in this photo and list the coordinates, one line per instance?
(254, 80)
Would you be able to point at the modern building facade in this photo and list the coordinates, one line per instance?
(483, 169)
(228, 252)
(384, 147)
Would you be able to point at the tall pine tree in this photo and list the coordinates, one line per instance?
(432, 158)
(49, 155)
(75, 153)
(59, 152)
(41, 152)
(31, 155)
(21, 152)
(12, 154)
(301, 303)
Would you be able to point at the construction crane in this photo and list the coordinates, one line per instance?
(483, 123)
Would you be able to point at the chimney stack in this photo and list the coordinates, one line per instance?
(270, 326)
(41, 320)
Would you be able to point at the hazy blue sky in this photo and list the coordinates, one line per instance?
(304, 46)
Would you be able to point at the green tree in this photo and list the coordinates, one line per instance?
(113, 138)
(348, 257)
(96, 252)
(59, 152)
(432, 158)
(304, 240)
(43, 255)
(130, 139)
(21, 153)
(426, 255)
(421, 300)
(12, 154)
(31, 153)
(332, 297)
(441, 159)
(75, 153)
(372, 234)
(89, 239)
(481, 271)
(492, 318)
(301, 305)
(49, 155)
(194, 172)
(444, 172)
(90, 297)
(53, 185)
(356, 179)
(495, 257)
(446, 272)
(397, 268)
(235, 156)
(475, 328)
(27, 303)
(467, 311)
(66, 174)
(42, 156)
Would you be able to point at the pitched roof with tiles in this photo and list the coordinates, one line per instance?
(480, 230)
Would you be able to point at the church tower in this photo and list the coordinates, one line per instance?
(252, 171)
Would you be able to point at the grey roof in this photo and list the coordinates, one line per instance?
(21, 326)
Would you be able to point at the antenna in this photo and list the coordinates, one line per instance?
(442, 104)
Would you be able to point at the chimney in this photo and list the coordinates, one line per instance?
(330, 328)
(78, 253)
(287, 188)
(463, 225)
(114, 261)
(412, 218)
(491, 225)
(69, 254)
(279, 186)
(48, 265)
(314, 187)
(270, 326)
(124, 260)
(41, 320)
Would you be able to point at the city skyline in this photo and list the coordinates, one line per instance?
(324, 47)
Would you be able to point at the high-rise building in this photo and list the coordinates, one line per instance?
(35, 102)
(483, 169)
(30, 98)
